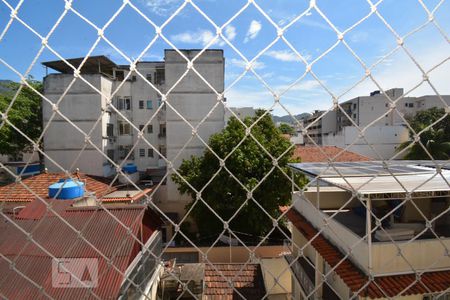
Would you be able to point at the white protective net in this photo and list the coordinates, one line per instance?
(376, 228)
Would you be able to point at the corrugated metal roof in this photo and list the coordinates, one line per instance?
(98, 228)
(355, 279)
(428, 182)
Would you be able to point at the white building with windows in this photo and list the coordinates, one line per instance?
(385, 130)
(140, 124)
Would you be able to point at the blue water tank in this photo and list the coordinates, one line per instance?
(66, 189)
(130, 168)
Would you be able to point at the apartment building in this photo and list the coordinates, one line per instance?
(360, 233)
(318, 124)
(142, 123)
(385, 130)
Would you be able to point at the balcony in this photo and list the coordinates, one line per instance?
(347, 231)
(304, 274)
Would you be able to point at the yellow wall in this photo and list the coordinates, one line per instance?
(238, 254)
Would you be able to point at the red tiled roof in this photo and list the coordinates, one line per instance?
(314, 154)
(98, 227)
(249, 282)
(391, 286)
(16, 192)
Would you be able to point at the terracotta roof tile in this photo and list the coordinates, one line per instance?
(355, 279)
(316, 154)
(16, 192)
(248, 281)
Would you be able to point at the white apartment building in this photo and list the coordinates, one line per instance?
(386, 129)
(378, 245)
(166, 130)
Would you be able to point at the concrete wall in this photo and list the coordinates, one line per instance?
(241, 112)
(192, 99)
(83, 106)
(238, 254)
(384, 139)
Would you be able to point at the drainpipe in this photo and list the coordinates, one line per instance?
(369, 231)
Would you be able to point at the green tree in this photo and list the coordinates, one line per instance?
(25, 114)
(436, 139)
(249, 164)
(286, 128)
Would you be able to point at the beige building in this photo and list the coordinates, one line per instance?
(358, 232)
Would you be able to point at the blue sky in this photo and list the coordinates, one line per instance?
(250, 33)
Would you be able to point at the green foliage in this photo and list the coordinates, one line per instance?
(286, 129)
(249, 164)
(25, 114)
(436, 139)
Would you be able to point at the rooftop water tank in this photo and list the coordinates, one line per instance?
(66, 189)
(130, 168)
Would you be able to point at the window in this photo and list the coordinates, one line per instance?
(149, 77)
(109, 130)
(149, 128)
(141, 104)
(406, 104)
(119, 75)
(385, 105)
(141, 127)
(411, 105)
(124, 103)
(141, 152)
(110, 154)
(124, 150)
(124, 128)
(162, 150)
(162, 130)
(160, 76)
(149, 104)
(354, 116)
(150, 152)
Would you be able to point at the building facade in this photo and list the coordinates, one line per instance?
(385, 130)
(376, 245)
(156, 116)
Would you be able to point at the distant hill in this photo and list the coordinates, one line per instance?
(288, 118)
(5, 87)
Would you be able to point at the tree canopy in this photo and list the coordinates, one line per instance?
(286, 128)
(25, 114)
(436, 139)
(249, 164)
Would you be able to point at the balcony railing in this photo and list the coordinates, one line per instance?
(302, 275)
(419, 254)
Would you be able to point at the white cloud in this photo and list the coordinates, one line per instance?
(230, 32)
(200, 36)
(399, 71)
(285, 55)
(359, 36)
(304, 85)
(253, 30)
(162, 7)
(242, 64)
